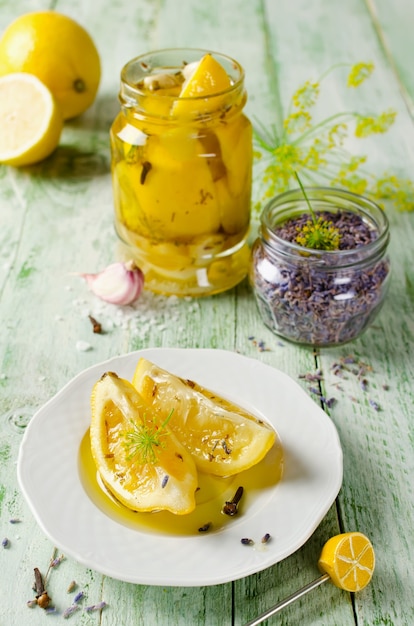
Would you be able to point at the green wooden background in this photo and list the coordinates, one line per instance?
(56, 219)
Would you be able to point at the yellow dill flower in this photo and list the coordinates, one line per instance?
(359, 73)
(337, 134)
(317, 149)
(297, 122)
(321, 235)
(400, 191)
(313, 158)
(369, 125)
(306, 96)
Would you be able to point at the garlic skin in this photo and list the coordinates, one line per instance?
(119, 283)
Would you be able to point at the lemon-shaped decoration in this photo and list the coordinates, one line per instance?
(30, 120)
(57, 50)
(137, 456)
(349, 560)
(223, 438)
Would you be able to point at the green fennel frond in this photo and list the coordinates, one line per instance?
(144, 441)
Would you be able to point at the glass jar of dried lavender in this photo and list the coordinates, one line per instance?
(319, 297)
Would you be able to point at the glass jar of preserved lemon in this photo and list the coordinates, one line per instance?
(181, 167)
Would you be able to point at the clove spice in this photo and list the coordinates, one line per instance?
(230, 507)
(42, 597)
(96, 326)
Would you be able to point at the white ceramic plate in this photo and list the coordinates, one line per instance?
(50, 477)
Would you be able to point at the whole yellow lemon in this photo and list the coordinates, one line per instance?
(59, 52)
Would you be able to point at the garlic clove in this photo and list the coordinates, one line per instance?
(119, 283)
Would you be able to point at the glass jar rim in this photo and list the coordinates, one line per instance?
(352, 201)
(141, 60)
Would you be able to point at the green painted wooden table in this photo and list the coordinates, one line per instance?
(56, 219)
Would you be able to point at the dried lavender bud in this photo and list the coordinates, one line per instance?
(78, 597)
(70, 611)
(14, 520)
(247, 542)
(31, 603)
(266, 538)
(5, 543)
(204, 528)
(95, 607)
(164, 481)
(50, 609)
(364, 384)
(57, 561)
(374, 405)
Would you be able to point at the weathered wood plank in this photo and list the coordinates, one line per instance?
(56, 219)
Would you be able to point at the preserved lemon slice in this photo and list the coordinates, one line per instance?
(138, 458)
(349, 560)
(173, 210)
(223, 438)
(208, 78)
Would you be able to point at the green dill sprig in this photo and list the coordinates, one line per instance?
(316, 233)
(316, 148)
(144, 440)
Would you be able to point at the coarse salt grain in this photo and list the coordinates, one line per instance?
(83, 346)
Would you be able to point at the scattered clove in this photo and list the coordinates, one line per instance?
(96, 326)
(230, 507)
(42, 597)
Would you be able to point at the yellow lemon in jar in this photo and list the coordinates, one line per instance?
(138, 458)
(176, 199)
(57, 50)
(223, 438)
(28, 134)
(206, 78)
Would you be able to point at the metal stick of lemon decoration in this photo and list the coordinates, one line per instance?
(347, 560)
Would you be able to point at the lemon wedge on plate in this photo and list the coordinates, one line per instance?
(137, 456)
(30, 120)
(223, 438)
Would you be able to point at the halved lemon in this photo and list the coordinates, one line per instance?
(349, 560)
(137, 456)
(30, 120)
(222, 438)
(58, 51)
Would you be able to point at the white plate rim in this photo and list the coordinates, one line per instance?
(184, 561)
